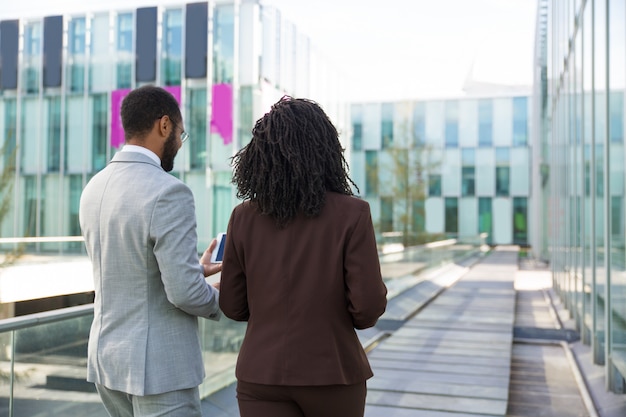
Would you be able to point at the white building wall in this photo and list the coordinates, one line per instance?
(75, 133)
(374, 203)
(357, 169)
(269, 63)
(101, 75)
(31, 136)
(250, 43)
(435, 123)
(502, 122)
(485, 172)
(435, 214)
(520, 172)
(371, 126)
(468, 216)
(502, 220)
(468, 123)
(451, 173)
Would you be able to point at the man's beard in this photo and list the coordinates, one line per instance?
(170, 149)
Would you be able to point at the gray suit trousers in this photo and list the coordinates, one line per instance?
(180, 403)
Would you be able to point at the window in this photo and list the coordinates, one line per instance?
(434, 185)
(452, 215)
(485, 217)
(616, 116)
(468, 176)
(520, 121)
(124, 49)
(99, 132)
(503, 171)
(502, 181)
(76, 188)
(386, 214)
(371, 173)
(599, 171)
(468, 172)
(77, 36)
(223, 44)
(485, 121)
(617, 216)
(357, 136)
(32, 57)
(54, 134)
(30, 205)
(452, 124)
(386, 127)
(197, 127)
(520, 220)
(76, 51)
(172, 47)
(419, 216)
(10, 125)
(419, 123)
(125, 32)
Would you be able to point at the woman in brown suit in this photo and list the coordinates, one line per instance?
(301, 267)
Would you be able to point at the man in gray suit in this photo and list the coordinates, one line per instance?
(139, 226)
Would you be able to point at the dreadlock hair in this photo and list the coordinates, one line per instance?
(293, 159)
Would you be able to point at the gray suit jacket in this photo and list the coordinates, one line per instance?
(139, 227)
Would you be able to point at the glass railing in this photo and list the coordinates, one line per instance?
(43, 361)
(403, 268)
(43, 356)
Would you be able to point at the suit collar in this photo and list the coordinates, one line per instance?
(131, 156)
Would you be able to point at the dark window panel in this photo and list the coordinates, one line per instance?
(145, 46)
(9, 34)
(52, 50)
(196, 27)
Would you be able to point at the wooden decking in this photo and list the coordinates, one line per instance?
(453, 358)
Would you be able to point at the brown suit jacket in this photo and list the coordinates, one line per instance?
(303, 290)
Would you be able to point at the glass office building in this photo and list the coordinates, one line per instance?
(446, 168)
(62, 79)
(580, 74)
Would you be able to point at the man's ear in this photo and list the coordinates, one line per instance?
(164, 124)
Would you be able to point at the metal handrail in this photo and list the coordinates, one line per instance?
(23, 322)
(41, 239)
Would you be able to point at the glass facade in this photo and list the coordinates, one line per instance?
(579, 161)
(56, 137)
(462, 180)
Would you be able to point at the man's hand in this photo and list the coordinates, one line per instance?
(208, 267)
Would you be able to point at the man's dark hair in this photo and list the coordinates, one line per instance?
(293, 159)
(143, 106)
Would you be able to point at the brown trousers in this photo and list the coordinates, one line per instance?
(257, 400)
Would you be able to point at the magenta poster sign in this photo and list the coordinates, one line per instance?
(117, 96)
(222, 112)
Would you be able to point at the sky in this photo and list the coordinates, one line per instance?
(392, 49)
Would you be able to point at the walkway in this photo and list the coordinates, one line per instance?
(476, 340)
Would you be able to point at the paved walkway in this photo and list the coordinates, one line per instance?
(453, 358)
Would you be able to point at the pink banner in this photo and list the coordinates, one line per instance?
(117, 96)
(222, 112)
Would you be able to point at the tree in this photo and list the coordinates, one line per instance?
(7, 181)
(407, 162)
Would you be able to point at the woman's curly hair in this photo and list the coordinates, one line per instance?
(293, 159)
